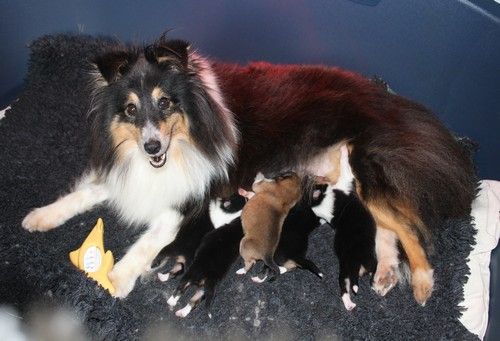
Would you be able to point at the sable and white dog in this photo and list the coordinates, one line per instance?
(164, 140)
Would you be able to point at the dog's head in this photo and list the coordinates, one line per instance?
(155, 100)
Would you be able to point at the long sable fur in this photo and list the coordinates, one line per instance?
(401, 152)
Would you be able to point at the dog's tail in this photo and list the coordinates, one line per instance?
(411, 159)
(308, 265)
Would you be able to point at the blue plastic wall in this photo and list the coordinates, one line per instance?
(444, 54)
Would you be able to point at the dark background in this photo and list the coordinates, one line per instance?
(444, 54)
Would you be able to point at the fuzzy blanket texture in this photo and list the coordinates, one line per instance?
(43, 143)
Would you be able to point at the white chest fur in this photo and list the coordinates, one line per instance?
(140, 192)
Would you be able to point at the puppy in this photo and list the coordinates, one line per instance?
(217, 252)
(292, 247)
(355, 232)
(190, 235)
(184, 246)
(263, 216)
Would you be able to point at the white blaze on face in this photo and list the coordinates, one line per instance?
(150, 132)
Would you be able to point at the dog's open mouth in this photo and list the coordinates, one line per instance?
(158, 161)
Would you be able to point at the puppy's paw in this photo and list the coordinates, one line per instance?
(422, 282)
(348, 303)
(386, 278)
(43, 219)
(123, 281)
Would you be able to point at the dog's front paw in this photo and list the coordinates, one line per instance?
(422, 282)
(123, 280)
(386, 277)
(43, 219)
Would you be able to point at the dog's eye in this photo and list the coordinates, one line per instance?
(163, 103)
(131, 110)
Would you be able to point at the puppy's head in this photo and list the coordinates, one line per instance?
(287, 187)
(155, 98)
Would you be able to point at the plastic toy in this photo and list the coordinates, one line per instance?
(92, 259)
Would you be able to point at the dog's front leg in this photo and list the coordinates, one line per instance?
(141, 254)
(87, 193)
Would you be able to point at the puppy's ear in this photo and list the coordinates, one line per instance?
(165, 51)
(114, 64)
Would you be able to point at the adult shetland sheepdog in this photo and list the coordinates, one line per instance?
(164, 139)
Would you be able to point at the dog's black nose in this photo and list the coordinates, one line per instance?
(152, 147)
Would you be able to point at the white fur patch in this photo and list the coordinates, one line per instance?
(139, 192)
(184, 311)
(348, 303)
(345, 184)
(163, 277)
(241, 271)
(346, 177)
(257, 279)
(86, 194)
(4, 111)
(325, 209)
(218, 216)
(172, 300)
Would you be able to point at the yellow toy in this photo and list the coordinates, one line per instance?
(92, 259)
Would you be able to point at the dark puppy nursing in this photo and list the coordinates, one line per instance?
(219, 248)
(215, 255)
(354, 242)
(355, 233)
(293, 244)
(184, 246)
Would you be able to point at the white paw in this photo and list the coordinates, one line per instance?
(172, 300)
(123, 281)
(257, 279)
(386, 277)
(163, 277)
(422, 282)
(241, 271)
(348, 304)
(184, 311)
(355, 288)
(43, 219)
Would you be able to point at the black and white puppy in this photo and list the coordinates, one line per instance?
(191, 233)
(184, 247)
(355, 231)
(218, 251)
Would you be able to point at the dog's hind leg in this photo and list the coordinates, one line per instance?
(87, 193)
(400, 220)
(387, 269)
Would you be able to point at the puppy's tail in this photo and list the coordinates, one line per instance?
(308, 265)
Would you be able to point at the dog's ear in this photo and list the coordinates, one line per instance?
(164, 52)
(115, 64)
